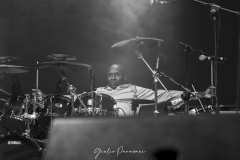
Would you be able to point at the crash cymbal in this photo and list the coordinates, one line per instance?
(8, 58)
(142, 42)
(60, 65)
(61, 57)
(14, 69)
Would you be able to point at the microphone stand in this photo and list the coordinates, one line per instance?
(156, 78)
(203, 53)
(214, 11)
(186, 51)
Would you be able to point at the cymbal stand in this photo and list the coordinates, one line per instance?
(26, 117)
(4, 75)
(178, 84)
(72, 91)
(186, 51)
(93, 88)
(156, 78)
(214, 11)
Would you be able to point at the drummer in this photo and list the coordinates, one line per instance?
(124, 93)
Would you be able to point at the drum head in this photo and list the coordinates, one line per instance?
(54, 106)
(15, 147)
(103, 103)
(59, 105)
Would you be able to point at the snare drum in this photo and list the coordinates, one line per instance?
(54, 106)
(17, 147)
(13, 114)
(104, 105)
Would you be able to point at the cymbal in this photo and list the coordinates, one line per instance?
(60, 65)
(61, 57)
(8, 58)
(143, 42)
(14, 69)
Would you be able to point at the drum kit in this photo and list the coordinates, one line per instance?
(26, 119)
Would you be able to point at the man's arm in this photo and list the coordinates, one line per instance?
(163, 96)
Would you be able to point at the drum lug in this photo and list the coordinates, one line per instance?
(40, 149)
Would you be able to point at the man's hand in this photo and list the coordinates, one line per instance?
(208, 93)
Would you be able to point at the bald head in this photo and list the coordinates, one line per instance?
(116, 75)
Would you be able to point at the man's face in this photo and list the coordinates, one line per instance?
(115, 77)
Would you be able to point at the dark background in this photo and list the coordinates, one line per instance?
(86, 29)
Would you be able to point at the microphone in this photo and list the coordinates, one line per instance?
(211, 58)
(157, 64)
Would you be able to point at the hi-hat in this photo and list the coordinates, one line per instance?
(14, 69)
(60, 65)
(8, 58)
(142, 42)
(61, 57)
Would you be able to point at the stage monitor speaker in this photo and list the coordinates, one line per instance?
(146, 138)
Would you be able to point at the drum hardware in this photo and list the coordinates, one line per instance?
(18, 116)
(104, 105)
(3, 76)
(202, 110)
(66, 66)
(29, 118)
(54, 106)
(148, 43)
(72, 91)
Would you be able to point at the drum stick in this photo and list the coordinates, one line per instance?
(37, 78)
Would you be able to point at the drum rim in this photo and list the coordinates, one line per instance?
(57, 96)
(101, 94)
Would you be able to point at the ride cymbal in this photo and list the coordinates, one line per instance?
(143, 42)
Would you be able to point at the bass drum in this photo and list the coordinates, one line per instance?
(55, 106)
(104, 105)
(17, 147)
(13, 112)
